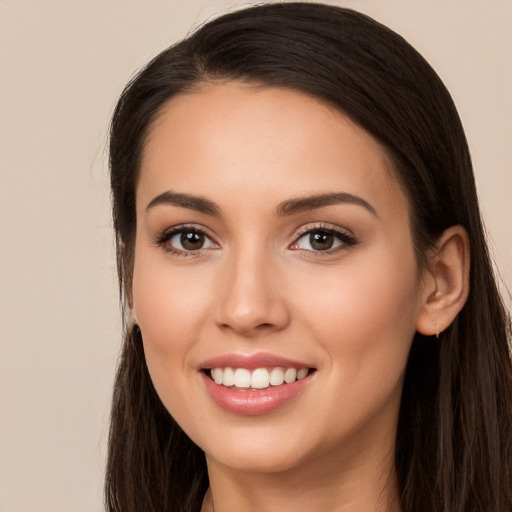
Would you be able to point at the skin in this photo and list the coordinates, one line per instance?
(257, 285)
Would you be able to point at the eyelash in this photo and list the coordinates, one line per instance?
(342, 236)
(164, 238)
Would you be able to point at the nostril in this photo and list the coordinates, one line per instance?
(264, 326)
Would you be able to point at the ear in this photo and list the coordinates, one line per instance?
(445, 285)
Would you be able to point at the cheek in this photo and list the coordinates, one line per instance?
(370, 314)
(365, 325)
(170, 308)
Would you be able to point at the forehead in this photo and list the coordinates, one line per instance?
(236, 140)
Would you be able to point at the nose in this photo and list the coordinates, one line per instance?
(252, 300)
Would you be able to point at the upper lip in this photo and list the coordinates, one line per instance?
(252, 361)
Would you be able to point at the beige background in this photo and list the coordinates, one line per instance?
(63, 63)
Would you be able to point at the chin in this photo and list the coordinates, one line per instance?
(261, 450)
(256, 460)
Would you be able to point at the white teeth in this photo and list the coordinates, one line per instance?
(277, 377)
(217, 375)
(242, 378)
(290, 375)
(302, 373)
(229, 377)
(260, 378)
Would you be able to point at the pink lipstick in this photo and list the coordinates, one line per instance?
(254, 384)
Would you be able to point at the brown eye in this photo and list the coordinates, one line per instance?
(183, 240)
(321, 241)
(192, 240)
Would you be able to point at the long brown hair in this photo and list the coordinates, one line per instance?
(454, 438)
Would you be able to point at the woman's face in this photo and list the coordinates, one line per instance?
(272, 237)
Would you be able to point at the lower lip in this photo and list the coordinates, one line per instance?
(253, 403)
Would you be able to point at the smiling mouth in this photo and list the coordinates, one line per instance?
(257, 379)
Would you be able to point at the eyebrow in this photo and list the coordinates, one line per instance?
(199, 204)
(302, 204)
(290, 207)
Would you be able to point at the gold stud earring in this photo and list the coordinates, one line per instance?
(437, 332)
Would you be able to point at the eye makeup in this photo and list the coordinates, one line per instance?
(318, 239)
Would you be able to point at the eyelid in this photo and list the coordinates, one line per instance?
(162, 237)
(346, 237)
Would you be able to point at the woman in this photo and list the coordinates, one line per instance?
(311, 317)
